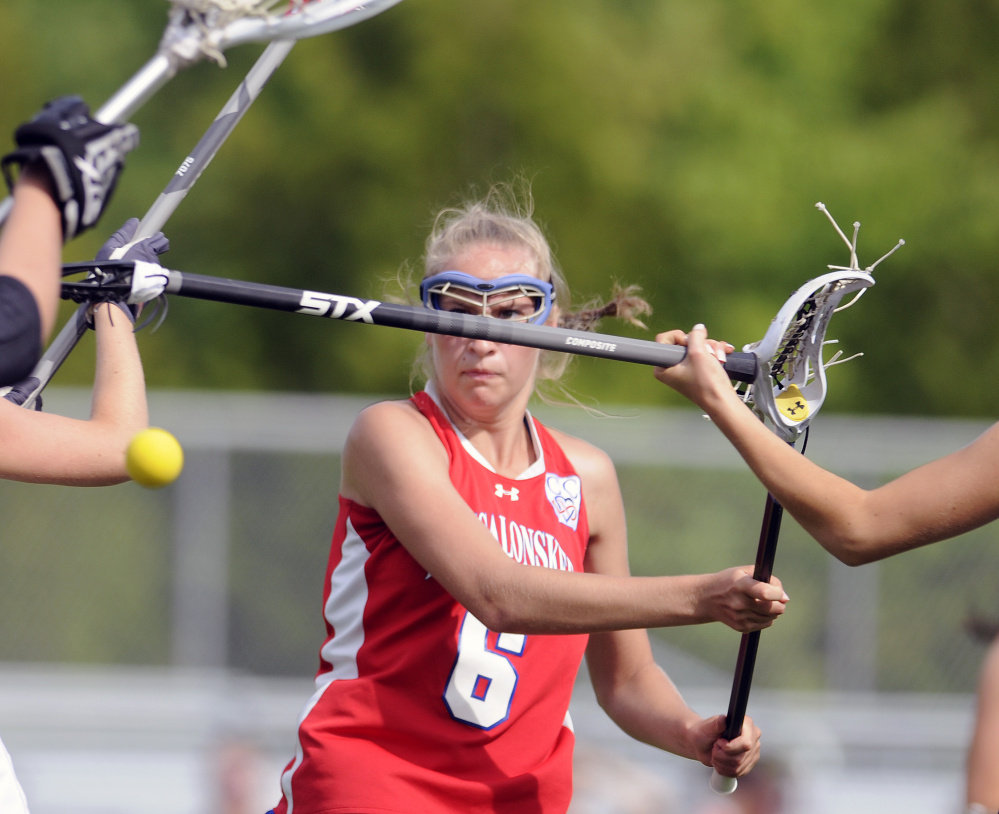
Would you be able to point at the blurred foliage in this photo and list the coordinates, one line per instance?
(680, 145)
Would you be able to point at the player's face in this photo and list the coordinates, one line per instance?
(478, 374)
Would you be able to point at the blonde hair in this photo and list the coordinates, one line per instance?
(504, 217)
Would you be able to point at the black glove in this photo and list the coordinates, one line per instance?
(148, 250)
(83, 157)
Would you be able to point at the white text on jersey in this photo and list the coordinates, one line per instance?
(525, 545)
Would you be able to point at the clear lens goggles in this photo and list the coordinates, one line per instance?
(516, 297)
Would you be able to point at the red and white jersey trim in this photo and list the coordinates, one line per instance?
(344, 609)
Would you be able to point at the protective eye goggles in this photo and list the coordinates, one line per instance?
(527, 299)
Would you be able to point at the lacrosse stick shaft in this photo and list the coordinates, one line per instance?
(769, 533)
(139, 89)
(168, 201)
(204, 151)
(740, 366)
(773, 513)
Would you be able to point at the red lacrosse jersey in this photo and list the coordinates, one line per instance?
(418, 707)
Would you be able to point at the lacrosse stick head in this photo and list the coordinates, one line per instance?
(790, 384)
(130, 282)
(206, 28)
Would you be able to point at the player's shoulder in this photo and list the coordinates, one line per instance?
(979, 459)
(388, 410)
(390, 442)
(589, 461)
(384, 417)
(395, 424)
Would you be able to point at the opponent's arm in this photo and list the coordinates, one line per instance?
(938, 500)
(394, 463)
(31, 243)
(39, 447)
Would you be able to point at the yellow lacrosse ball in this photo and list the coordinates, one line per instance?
(154, 458)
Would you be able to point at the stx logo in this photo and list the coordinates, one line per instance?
(335, 307)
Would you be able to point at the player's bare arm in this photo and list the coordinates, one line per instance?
(941, 499)
(393, 463)
(40, 447)
(31, 243)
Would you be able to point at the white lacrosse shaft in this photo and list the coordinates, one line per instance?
(201, 156)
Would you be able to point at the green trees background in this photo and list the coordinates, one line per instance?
(678, 144)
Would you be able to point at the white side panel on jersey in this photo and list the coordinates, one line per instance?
(345, 612)
(345, 609)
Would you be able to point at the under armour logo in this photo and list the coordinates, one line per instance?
(794, 409)
(513, 494)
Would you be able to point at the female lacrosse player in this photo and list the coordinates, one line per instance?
(939, 500)
(69, 167)
(474, 551)
(39, 447)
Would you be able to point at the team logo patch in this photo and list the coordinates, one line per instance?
(565, 495)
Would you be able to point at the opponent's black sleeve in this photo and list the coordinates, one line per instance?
(20, 331)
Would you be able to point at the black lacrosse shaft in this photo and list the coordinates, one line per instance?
(739, 366)
(746, 663)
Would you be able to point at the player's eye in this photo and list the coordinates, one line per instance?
(453, 306)
(510, 314)
(521, 309)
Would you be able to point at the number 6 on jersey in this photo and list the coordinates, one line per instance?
(483, 681)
